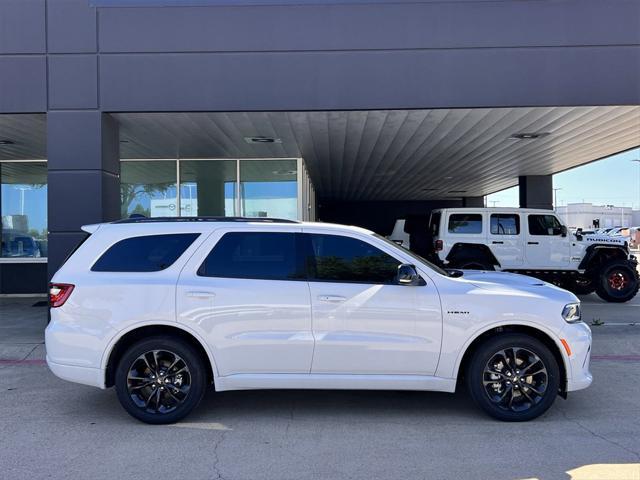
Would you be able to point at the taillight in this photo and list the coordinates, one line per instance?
(58, 293)
(438, 245)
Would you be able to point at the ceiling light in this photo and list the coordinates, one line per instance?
(457, 191)
(528, 135)
(124, 141)
(429, 189)
(261, 139)
(7, 142)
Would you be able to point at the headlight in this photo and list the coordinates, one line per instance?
(571, 313)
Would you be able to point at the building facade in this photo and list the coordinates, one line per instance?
(343, 110)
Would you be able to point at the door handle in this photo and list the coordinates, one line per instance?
(331, 298)
(533, 243)
(498, 243)
(201, 294)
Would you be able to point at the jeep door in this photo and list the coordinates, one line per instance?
(505, 239)
(245, 292)
(546, 246)
(364, 322)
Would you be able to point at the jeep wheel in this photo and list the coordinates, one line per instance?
(617, 282)
(513, 377)
(160, 380)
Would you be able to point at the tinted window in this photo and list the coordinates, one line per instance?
(434, 224)
(544, 225)
(465, 223)
(343, 259)
(150, 253)
(257, 255)
(505, 224)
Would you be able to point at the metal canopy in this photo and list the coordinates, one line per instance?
(376, 155)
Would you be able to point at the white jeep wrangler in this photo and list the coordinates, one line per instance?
(535, 243)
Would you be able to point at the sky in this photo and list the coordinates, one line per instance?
(611, 181)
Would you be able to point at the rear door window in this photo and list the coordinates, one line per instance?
(255, 255)
(465, 223)
(505, 224)
(149, 253)
(334, 258)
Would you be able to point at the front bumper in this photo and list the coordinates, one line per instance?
(578, 337)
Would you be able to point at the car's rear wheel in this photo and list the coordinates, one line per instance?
(474, 265)
(618, 282)
(513, 377)
(160, 380)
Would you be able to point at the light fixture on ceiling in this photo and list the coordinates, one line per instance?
(457, 191)
(528, 135)
(429, 189)
(7, 142)
(261, 139)
(124, 141)
(284, 172)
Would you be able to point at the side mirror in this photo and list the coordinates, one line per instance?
(579, 234)
(563, 230)
(408, 275)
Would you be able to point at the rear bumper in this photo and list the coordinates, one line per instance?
(93, 377)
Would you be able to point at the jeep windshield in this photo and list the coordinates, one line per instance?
(420, 259)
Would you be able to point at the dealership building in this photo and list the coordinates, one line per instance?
(350, 111)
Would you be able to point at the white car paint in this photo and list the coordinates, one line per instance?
(300, 334)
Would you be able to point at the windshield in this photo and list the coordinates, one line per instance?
(415, 256)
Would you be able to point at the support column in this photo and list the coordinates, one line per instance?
(475, 202)
(84, 170)
(536, 191)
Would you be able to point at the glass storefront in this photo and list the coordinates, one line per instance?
(23, 207)
(148, 188)
(250, 188)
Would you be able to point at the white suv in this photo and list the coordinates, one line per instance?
(162, 308)
(536, 243)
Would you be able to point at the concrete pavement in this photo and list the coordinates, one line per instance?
(54, 429)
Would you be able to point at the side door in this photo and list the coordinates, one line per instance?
(547, 247)
(363, 321)
(505, 239)
(246, 293)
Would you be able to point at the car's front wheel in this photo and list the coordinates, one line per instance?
(513, 377)
(160, 380)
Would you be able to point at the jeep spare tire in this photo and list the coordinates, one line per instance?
(618, 282)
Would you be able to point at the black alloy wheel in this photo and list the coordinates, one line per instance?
(160, 380)
(513, 377)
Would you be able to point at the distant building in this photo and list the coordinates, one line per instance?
(588, 215)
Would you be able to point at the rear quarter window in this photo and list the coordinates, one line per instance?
(465, 223)
(149, 253)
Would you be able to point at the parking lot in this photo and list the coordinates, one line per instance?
(53, 429)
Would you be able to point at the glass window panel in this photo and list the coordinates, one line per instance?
(24, 209)
(465, 223)
(544, 225)
(148, 188)
(256, 255)
(208, 188)
(505, 224)
(269, 188)
(150, 253)
(345, 259)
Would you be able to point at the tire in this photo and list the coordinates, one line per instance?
(580, 285)
(617, 282)
(168, 398)
(507, 399)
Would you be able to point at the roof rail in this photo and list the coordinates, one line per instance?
(204, 219)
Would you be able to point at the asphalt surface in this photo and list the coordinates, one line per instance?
(53, 429)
